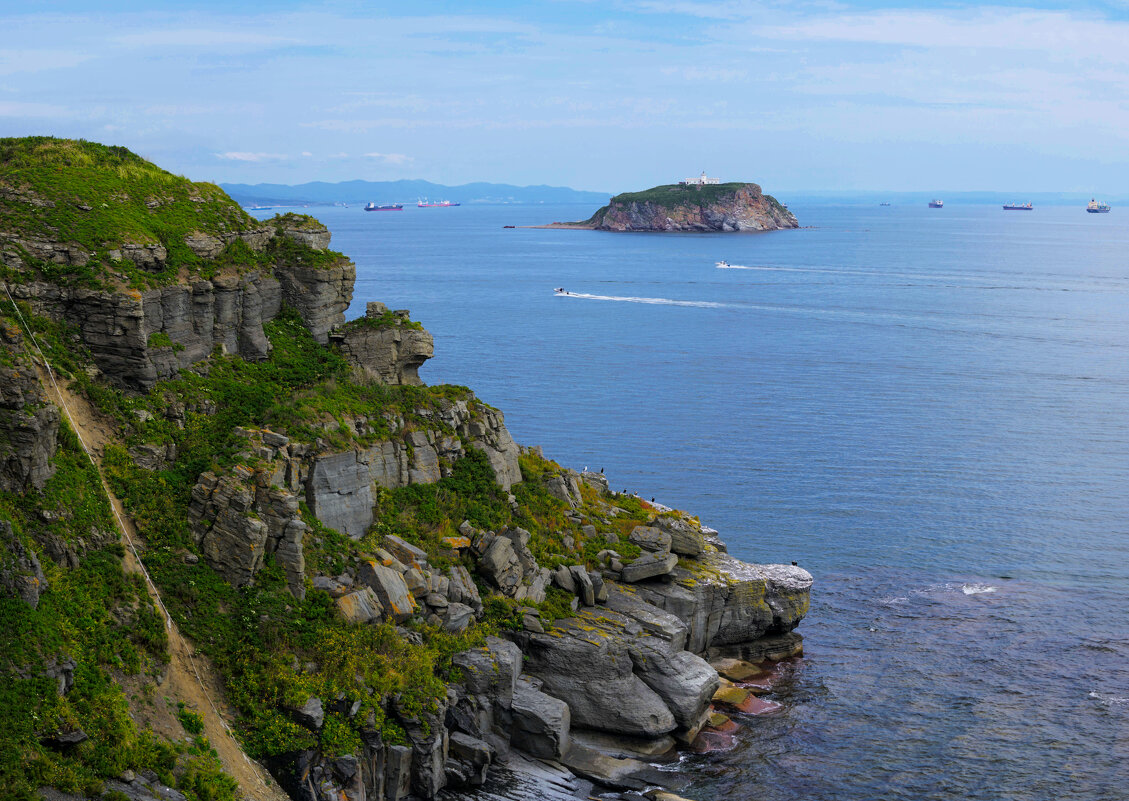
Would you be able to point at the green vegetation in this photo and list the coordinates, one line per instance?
(389, 319)
(101, 618)
(678, 196)
(273, 650)
(99, 199)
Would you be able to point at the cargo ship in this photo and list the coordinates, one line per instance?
(1018, 207)
(1094, 207)
(384, 207)
(936, 204)
(426, 204)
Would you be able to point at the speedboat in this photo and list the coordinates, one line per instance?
(560, 290)
(722, 263)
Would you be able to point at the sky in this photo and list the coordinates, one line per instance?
(613, 96)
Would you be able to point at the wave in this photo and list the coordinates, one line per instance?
(976, 589)
(701, 304)
(1107, 700)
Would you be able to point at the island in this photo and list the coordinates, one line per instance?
(691, 206)
(245, 552)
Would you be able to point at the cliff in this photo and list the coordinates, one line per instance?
(393, 598)
(678, 207)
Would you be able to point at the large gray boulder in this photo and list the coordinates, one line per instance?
(684, 681)
(540, 723)
(686, 537)
(649, 565)
(390, 589)
(650, 539)
(591, 671)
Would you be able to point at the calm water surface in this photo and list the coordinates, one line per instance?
(927, 409)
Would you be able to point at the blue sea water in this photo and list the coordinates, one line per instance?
(928, 409)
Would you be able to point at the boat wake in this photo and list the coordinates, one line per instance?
(701, 304)
(976, 589)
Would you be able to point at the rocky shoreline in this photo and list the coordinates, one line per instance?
(605, 634)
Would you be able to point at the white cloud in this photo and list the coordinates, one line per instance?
(14, 61)
(237, 155)
(390, 158)
(201, 37)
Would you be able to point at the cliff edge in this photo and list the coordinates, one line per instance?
(397, 599)
(682, 207)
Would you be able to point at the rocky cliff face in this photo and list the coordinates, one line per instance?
(386, 346)
(740, 207)
(29, 425)
(140, 337)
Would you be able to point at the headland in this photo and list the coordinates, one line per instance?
(239, 533)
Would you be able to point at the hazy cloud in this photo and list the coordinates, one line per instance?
(235, 155)
(390, 158)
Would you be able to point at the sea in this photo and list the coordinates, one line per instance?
(926, 409)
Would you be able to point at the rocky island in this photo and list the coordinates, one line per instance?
(691, 207)
(246, 553)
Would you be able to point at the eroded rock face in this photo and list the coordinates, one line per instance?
(29, 425)
(238, 518)
(320, 294)
(746, 209)
(21, 575)
(390, 352)
(228, 311)
(725, 601)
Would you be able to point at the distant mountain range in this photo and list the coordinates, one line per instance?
(321, 193)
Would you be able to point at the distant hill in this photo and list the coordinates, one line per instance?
(405, 191)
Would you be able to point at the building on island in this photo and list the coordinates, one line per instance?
(701, 180)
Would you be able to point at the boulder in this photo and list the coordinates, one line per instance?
(650, 539)
(390, 352)
(591, 671)
(684, 681)
(648, 566)
(686, 537)
(390, 589)
(540, 723)
(339, 493)
(499, 563)
(361, 606)
(472, 752)
(726, 603)
(310, 714)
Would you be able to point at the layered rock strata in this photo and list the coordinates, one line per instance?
(386, 346)
(137, 338)
(742, 207)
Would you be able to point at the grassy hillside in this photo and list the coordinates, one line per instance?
(97, 198)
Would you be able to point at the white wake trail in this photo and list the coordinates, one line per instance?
(701, 304)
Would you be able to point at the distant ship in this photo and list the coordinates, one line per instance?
(384, 207)
(883, 204)
(1018, 207)
(426, 204)
(259, 208)
(936, 204)
(1094, 207)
